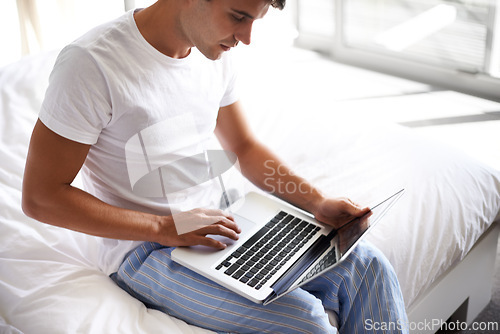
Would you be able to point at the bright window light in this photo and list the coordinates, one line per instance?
(418, 28)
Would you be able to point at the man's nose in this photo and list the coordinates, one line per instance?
(244, 34)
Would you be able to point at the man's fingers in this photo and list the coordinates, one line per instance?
(365, 210)
(218, 213)
(222, 220)
(219, 229)
(214, 229)
(221, 217)
(196, 219)
(209, 242)
(355, 209)
(231, 224)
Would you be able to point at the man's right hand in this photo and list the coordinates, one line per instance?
(53, 162)
(200, 223)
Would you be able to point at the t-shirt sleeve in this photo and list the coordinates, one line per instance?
(231, 94)
(77, 102)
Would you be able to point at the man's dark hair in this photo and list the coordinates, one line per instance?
(280, 4)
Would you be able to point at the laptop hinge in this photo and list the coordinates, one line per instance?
(301, 265)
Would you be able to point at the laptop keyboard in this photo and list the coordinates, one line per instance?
(328, 260)
(261, 256)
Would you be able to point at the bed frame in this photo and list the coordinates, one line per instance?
(462, 292)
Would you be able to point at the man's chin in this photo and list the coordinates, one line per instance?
(212, 54)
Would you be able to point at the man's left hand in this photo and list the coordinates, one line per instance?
(338, 211)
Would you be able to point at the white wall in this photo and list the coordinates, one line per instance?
(60, 22)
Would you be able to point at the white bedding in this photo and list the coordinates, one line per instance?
(49, 282)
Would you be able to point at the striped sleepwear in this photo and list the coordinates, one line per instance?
(362, 290)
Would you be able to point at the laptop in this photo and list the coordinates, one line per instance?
(280, 248)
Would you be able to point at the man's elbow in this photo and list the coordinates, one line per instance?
(32, 203)
(29, 206)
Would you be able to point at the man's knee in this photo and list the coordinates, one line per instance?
(370, 256)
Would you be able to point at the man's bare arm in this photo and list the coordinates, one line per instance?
(266, 170)
(48, 196)
(259, 164)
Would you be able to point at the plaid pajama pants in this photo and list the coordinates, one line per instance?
(363, 291)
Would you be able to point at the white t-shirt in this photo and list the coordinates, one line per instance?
(139, 109)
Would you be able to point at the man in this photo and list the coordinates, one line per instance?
(162, 75)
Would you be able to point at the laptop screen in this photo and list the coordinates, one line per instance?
(348, 235)
(350, 232)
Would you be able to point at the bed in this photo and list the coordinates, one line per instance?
(442, 234)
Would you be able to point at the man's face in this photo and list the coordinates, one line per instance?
(216, 26)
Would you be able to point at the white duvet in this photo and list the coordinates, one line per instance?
(49, 280)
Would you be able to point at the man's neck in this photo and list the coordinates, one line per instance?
(157, 24)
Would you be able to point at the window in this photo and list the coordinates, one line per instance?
(452, 43)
